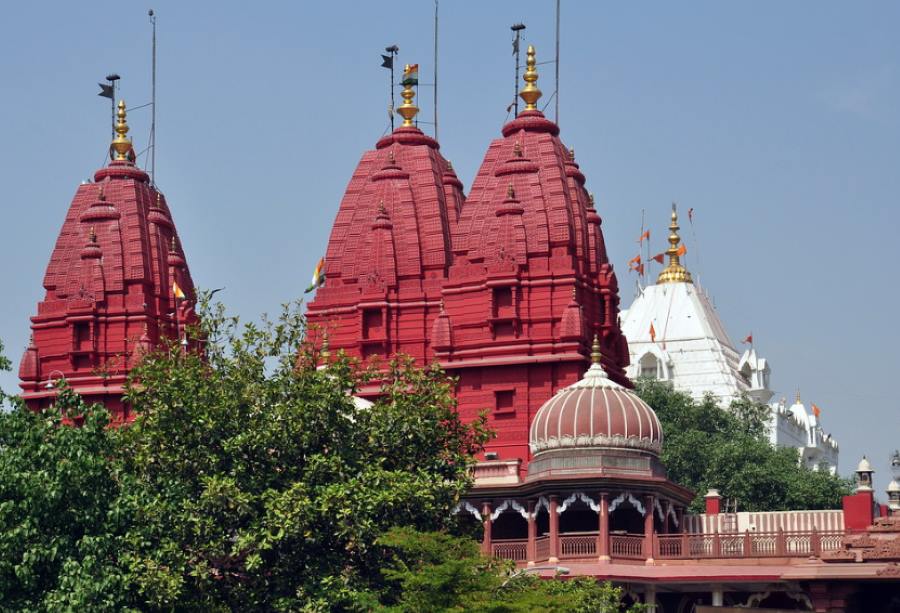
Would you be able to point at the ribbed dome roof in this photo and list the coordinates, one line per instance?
(595, 412)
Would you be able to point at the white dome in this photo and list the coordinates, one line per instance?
(864, 466)
(893, 486)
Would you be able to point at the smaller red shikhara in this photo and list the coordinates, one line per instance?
(111, 286)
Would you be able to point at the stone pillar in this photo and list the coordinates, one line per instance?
(603, 531)
(650, 598)
(718, 597)
(667, 505)
(486, 547)
(648, 529)
(554, 530)
(530, 549)
(679, 513)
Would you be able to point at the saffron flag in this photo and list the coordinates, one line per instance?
(410, 75)
(645, 235)
(318, 276)
(682, 250)
(749, 339)
(179, 295)
(652, 333)
(659, 257)
(816, 411)
(634, 262)
(640, 269)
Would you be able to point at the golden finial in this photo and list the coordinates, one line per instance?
(325, 352)
(408, 109)
(596, 356)
(530, 93)
(674, 272)
(121, 144)
(798, 396)
(510, 192)
(517, 150)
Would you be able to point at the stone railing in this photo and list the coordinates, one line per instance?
(733, 545)
(516, 550)
(778, 544)
(629, 546)
(578, 545)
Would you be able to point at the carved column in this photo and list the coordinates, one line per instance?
(530, 552)
(554, 530)
(667, 505)
(486, 547)
(648, 528)
(679, 514)
(603, 532)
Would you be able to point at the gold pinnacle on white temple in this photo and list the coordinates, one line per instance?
(674, 272)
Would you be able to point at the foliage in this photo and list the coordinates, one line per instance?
(254, 482)
(706, 447)
(441, 573)
(58, 530)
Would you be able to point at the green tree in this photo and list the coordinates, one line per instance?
(442, 573)
(706, 446)
(254, 483)
(58, 531)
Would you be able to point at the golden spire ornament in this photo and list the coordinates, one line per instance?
(674, 272)
(596, 356)
(408, 109)
(121, 144)
(530, 93)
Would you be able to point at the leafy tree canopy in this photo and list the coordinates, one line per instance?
(440, 573)
(706, 446)
(249, 481)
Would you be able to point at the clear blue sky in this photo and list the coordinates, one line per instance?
(779, 123)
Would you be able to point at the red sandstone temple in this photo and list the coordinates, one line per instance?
(111, 286)
(511, 291)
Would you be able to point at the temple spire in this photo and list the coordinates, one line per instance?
(408, 109)
(674, 272)
(596, 356)
(530, 93)
(121, 144)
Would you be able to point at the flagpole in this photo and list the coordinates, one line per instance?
(435, 69)
(152, 16)
(639, 250)
(389, 63)
(556, 118)
(517, 28)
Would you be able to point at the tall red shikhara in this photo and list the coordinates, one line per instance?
(110, 287)
(506, 289)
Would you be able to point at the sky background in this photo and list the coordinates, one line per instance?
(778, 123)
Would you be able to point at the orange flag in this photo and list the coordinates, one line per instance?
(652, 333)
(749, 339)
(640, 269)
(659, 257)
(682, 250)
(816, 411)
(634, 262)
(644, 236)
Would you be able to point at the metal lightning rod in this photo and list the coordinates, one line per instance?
(435, 69)
(152, 16)
(517, 28)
